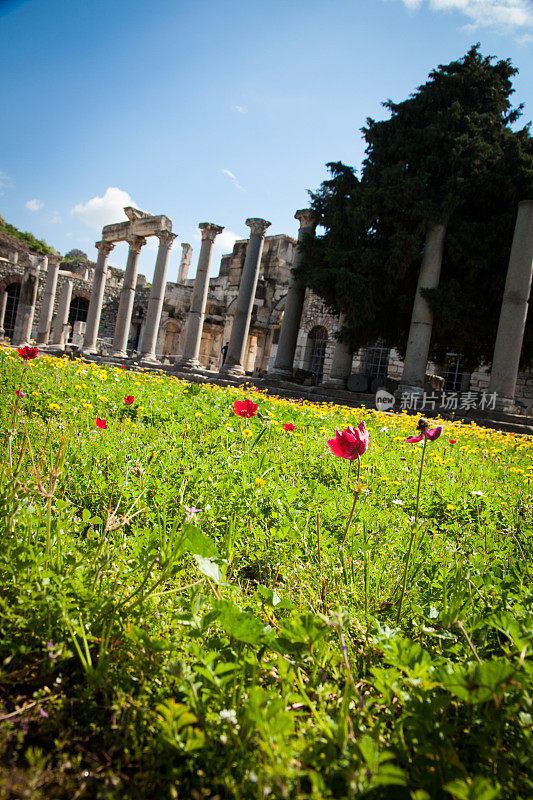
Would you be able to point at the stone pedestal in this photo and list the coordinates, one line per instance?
(341, 367)
(514, 310)
(418, 343)
(26, 305)
(185, 263)
(47, 305)
(127, 298)
(61, 320)
(97, 298)
(3, 304)
(294, 302)
(157, 294)
(233, 365)
(195, 319)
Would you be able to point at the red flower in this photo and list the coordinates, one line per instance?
(245, 408)
(101, 423)
(452, 441)
(433, 434)
(288, 426)
(19, 393)
(351, 443)
(129, 399)
(27, 353)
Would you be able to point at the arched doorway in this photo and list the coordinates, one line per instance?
(317, 340)
(13, 292)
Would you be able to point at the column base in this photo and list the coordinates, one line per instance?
(148, 359)
(506, 405)
(280, 372)
(236, 371)
(335, 383)
(189, 365)
(409, 388)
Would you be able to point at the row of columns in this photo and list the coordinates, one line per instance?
(508, 341)
(511, 326)
(127, 297)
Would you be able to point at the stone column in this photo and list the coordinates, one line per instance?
(157, 294)
(341, 365)
(63, 309)
(418, 343)
(14, 258)
(97, 298)
(513, 314)
(185, 263)
(3, 304)
(47, 305)
(245, 299)
(294, 303)
(26, 305)
(127, 298)
(195, 318)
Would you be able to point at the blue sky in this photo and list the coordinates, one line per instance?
(211, 111)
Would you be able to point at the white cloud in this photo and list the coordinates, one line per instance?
(226, 240)
(105, 210)
(233, 178)
(34, 205)
(508, 16)
(56, 217)
(240, 109)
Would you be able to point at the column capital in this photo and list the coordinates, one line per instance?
(210, 230)
(166, 238)
(258, 226)
(104, 247)
(136, 243)
(306, 217)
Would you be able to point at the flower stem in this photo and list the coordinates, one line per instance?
(413, 532)
(356, 493)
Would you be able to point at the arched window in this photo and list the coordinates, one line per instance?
(13, 292)
(317, 340)
(78, 310)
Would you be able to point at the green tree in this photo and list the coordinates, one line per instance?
(449, 155)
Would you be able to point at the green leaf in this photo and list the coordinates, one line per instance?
(208, 567)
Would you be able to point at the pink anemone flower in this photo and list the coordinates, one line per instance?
(351, 443)
(431, 435)
(245, 408)
(27, 353)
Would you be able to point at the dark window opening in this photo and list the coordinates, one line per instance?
(13, 292)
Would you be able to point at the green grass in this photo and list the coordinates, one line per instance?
(241, 651)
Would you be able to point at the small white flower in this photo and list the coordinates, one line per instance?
(397, 502)
(477, 493)
(229, 715)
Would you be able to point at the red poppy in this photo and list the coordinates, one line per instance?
(245, 408)
(101, 423)
(27, 353)
(433, 434)
(452, 441)
(351, 443)
(19, 393)
(129, 399)
(288, 426)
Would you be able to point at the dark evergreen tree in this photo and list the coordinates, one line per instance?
(448, 154)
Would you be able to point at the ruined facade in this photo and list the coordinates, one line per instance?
(316, 345)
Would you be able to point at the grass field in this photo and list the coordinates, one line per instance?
(185, 614)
